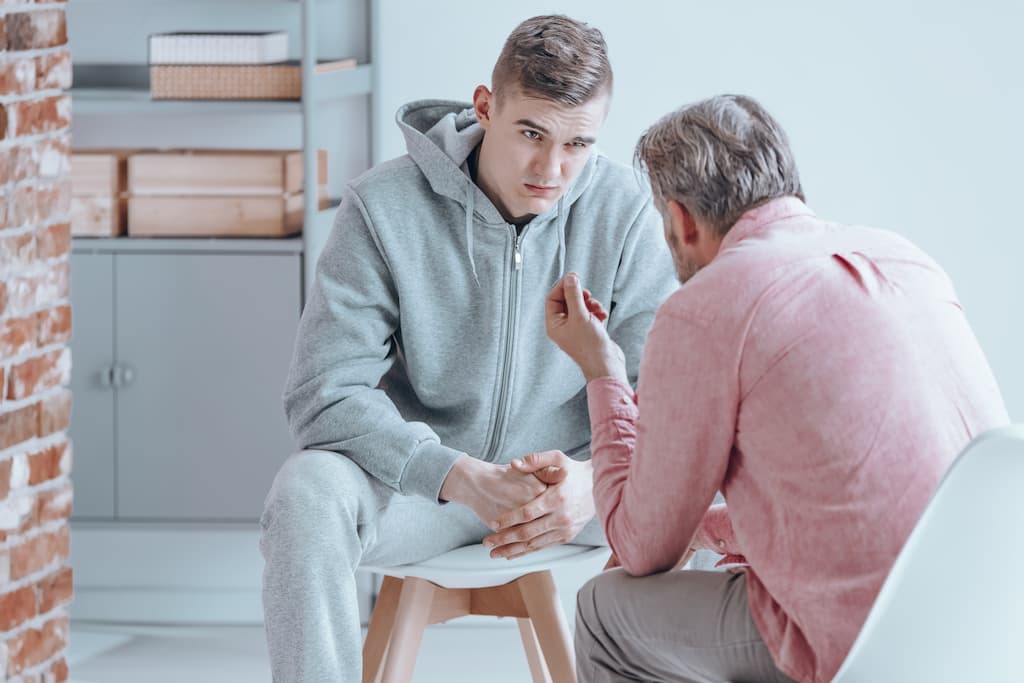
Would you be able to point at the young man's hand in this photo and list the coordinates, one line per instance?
(488, 489)
(574, 321)
(554, 517)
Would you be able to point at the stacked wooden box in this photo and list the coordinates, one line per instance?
(192, 193)
(206, 192)
(99, 203)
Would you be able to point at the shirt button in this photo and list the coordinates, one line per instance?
(721, 543)
(626, 400)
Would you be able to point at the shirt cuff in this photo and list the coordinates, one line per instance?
(609, 398)
(426, 470)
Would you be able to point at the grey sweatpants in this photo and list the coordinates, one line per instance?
(680, 626)
(325, 516)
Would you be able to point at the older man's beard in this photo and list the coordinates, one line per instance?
(685, 268)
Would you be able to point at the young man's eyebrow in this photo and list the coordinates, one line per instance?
(530, 124)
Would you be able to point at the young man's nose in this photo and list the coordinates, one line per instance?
(547, 165)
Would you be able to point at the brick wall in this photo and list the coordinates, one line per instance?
(35, 324)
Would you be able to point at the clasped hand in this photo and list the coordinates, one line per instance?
(555, 516)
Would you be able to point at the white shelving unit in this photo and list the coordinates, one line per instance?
(167, 533)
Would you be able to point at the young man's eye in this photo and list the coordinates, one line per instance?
(532, 134)
(578, 144)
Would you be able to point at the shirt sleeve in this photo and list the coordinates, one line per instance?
(715, 533)
(656, 471)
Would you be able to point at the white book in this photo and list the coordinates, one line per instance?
(218, 48)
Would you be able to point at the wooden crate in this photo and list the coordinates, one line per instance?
(227, 216)
(223, 193)
(99, 205)
(220, 172)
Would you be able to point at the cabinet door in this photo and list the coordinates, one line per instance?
(208, 339)
(92, 353)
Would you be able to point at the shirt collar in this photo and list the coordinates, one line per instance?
(757, 218)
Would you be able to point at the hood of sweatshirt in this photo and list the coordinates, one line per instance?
(440, 136)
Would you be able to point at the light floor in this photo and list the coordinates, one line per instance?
(237, 654)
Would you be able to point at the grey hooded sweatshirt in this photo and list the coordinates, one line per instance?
(423, 334)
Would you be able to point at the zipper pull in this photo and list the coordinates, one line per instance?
(517, 256)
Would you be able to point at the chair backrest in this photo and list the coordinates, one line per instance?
(952, 607)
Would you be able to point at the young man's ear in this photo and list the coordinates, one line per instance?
(683, 223)
(483, 104)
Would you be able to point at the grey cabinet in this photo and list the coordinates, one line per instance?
(179, 360)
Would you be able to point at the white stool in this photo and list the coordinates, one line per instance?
(468, 581)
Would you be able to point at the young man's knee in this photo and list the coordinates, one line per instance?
(314, 484)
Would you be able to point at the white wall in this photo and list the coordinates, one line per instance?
(902, 115)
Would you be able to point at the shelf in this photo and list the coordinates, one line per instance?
(136, 100)
(91, 245)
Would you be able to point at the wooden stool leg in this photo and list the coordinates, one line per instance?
(379, 632)
(538, 669)
(410, 619)
(541, 600)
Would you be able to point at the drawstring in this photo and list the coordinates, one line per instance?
(561, 236)
(470, 190)
(562, 218)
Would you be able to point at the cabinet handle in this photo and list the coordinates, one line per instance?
(106, 377)
(122, 375)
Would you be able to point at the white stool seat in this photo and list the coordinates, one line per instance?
(468, 581)
(472, 566)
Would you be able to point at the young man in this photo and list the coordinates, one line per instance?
(822, 376)
(421, 368)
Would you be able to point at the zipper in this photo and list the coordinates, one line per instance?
(497, 434)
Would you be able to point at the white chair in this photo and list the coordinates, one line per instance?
(952, 607)
(468, 581)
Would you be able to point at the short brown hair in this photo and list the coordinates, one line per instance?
(554, 57)
(719, 157)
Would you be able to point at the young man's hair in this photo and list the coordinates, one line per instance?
(556, 58)
(719, 158)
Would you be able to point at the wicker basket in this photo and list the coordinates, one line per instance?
(280, 81)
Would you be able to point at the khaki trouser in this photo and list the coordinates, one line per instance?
(680, 626)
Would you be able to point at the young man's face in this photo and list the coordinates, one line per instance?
(533, 148)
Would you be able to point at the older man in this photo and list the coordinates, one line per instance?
(822, 376)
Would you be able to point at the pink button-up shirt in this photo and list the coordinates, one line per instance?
(823, 377)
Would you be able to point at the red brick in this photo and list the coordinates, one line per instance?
(54, 504)
(7, 156)
(55, 590)
(39, 373)
(47, 159)
(53, 240)
(58, 672)
(55, 413)
(17, 252)
(19, 512)
(54, 325)
(3, 302)
(5, 478)
(42, 116)
(34, 646)
(3, 121)
(39, 552)
(17, 607)
(3, 34)
(53, 71)
(17, 336)
(32, 292)
(3, 386)
(18, 76)
(32, 204)
(36, 30)
(18, 425)
(46, 464)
